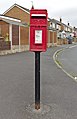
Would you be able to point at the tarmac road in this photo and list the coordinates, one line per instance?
(68, 59)
(58, 91)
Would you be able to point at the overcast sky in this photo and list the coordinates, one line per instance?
(66, 9)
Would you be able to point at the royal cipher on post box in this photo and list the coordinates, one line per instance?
(38, 30)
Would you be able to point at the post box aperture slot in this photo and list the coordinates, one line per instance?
(38, 16)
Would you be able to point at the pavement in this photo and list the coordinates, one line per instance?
(58, 91)
(6, 52)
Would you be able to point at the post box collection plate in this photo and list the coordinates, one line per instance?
(38, 36)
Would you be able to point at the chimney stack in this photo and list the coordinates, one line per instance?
(60, 20)
(68, 23)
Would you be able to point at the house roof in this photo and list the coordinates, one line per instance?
(28, 11)
(60, 23)
(16, 5)
(49, 19)
(67, 26)
(22, 7)
(56, 21)
(75, 28)
(11, 20)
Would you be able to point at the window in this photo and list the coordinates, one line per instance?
(65, 28)
(58, 27)
(53, 25)
(69, 29)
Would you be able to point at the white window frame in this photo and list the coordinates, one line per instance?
(53, 25)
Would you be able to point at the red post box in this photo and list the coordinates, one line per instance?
(38, 30)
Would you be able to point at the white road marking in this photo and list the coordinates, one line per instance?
(73, 46)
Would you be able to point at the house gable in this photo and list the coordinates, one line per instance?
(20, 7)
(17, 13)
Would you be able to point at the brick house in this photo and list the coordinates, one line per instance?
(62, 30)
(19, 33)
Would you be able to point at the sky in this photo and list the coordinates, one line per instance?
(65, 9)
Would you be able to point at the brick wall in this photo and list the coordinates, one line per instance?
(4, 45)
(53, 36)
(4, 28)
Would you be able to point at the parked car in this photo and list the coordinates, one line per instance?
(70, 38)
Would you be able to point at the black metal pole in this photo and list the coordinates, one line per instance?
(37, 80)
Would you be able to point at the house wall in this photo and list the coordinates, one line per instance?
(4, 28)
(53, 37)
(62, 27)
(4, 35)
(50, 35)
(24, 17)
(24, 36)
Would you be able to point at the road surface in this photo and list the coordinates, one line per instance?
(68, 59)
(58, 91)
